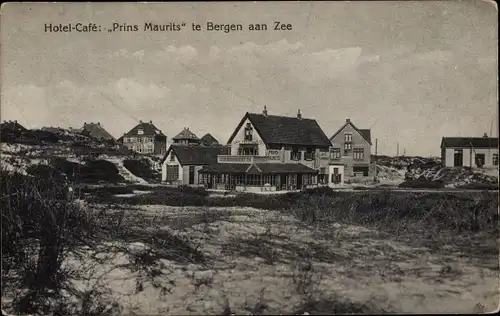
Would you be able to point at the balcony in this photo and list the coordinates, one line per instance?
(247, 159)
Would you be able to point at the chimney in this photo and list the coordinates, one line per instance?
(265, 111)
(348, 120)
(99, 123)
(150, 122)
(299, 116)
(485, 135)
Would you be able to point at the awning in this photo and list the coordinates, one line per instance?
(261, 168)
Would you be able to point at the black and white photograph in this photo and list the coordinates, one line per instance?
(249, 158)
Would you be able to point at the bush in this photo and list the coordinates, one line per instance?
(100, 170)
(422, 184)
(141, 168)
(39, 224)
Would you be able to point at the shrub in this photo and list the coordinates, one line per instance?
(422, 184)
(39, 224)
(141, 168)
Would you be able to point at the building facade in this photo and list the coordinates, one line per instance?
(351, 151)
(473, 152)
(145, 138)
(270, 153)
(181, 164)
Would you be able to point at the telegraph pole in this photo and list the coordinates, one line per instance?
(376, 157)
(397, 151)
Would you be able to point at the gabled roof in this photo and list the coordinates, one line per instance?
(96, 131)
(285, 130)
(148, 130)
(365, 133)
(196, 155)
(209, 140)
(186, 134)
(465, 142)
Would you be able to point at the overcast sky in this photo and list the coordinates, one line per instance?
(412, 71)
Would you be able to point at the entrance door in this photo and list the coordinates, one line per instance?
(458, 158)
(191, 174)
(336, 176)
(299, 181)
(480, 158)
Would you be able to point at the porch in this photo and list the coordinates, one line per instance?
(256, 178)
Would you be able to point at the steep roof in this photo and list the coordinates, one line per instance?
(96, 131)
(209, 140)
(465, 142)
(186, 134)
(365, 133)
(196, 155)
(285, 130)
(149, 129)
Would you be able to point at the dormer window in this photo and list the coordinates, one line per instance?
(140, 131)
(348, 137)
(248, 132)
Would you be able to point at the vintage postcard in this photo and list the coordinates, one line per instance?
(242, 158)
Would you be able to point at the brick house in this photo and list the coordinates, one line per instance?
(186, 137)
(351, 151)
(181, 163)
(145, 138)
(269, 153)
(469, 151)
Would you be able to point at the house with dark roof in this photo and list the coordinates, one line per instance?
(209, 140)
(350, 152)
(12, 126)
(186, 137)
(469, 151)
(145, 138)
(95, 130)
(269, 153)
(181, 164)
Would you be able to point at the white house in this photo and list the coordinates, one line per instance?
(181, 163)
(469, 151)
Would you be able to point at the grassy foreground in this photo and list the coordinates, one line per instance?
(181, 251)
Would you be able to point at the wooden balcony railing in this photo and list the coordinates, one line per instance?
(247, 159)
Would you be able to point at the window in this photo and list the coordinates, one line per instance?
(348, 137)
(172, 157)
(335, 153)
(248, 151)
(269, 179)
(240, 179)
(140, 131)
(295, 154)
(359, 153)
(347, 149)
(495, 159)
(254, 180)
(309, 154)
(248, 132)
(172, 173)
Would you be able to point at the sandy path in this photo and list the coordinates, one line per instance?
(265, 262)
